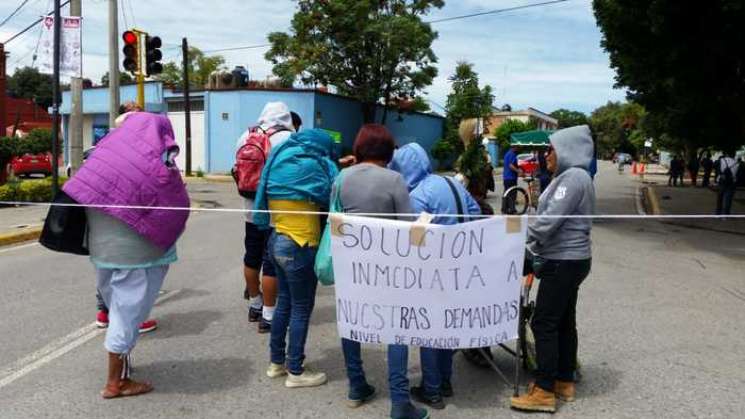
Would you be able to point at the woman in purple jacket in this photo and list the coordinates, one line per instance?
(127, 183)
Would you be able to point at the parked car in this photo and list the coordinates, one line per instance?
(86, 153)
(528, 163)
(31, 164)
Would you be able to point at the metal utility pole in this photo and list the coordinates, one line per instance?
(76, 116)
(56, 98)
(187, 104)
(113, 63)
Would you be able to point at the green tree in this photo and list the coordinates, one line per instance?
(200, 68)
(466, 100)
(124, 78)
(569, 118)
(509, 127)
(615, 123)
(683, 64)
(29, 83)
(371, 50)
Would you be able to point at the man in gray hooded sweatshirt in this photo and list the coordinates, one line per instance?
(562, 256)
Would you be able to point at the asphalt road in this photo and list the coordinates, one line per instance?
(660, 320)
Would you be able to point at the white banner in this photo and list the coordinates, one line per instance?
(71, 54)
(459, 289)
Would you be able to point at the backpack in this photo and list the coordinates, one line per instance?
(727, 178)
(251, 158)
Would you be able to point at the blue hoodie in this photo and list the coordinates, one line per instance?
(429, 192)
(300, 169)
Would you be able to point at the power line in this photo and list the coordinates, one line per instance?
(493, 12)
(28, 28)
(18, 9)
(448, 19)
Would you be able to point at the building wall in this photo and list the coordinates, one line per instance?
(96, 100)
(198, 154)
(230, 113)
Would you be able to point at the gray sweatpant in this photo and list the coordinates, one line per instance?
(130, 295)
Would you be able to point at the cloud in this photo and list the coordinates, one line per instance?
(544, 57)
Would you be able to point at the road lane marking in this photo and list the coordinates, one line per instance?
(10, 249)
(60, 347)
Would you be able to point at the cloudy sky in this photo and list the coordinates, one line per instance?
(545, 57)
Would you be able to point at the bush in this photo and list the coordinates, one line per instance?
(443, 150)
(33, 190)
(200, 172)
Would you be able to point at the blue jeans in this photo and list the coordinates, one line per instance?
(437, 368)
(398, 381)
(724, 200)
(297, 294)
(353, 361)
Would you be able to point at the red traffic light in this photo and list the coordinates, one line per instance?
(130, 38)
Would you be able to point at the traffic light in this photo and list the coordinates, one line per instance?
(131, 53)
(153, 55)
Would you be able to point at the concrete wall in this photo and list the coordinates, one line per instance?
(198, 152)
(230, 113)
(96, 100)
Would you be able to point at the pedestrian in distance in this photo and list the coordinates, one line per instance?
(131, 248)
(707, 165)
(433, 194)
(370, 187)
(274, 127)
(544, 176)
(675, 171)
(727, 182)
(510, 175)
(561, 254)
(693, 168)
(295, 186)
(473, 164)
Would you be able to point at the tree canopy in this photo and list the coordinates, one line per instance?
(29, 83)
(685, 65)
(509, 127)
(569, 118)
(615, 125)
(371, 50)
(200, 68)
(124, 78)
(466, 100)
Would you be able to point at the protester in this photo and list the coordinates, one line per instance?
(727, 181)
(544, 176)
(369, 187)
(509, 179)
(562, 256)
(130, 248)
(708, 165)
(693, 168)
(297, 177)
(102, 316)
(473, 165)
(277, 123)
(433, 194)
(676, 171)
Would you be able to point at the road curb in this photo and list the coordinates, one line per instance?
(651, 204)
(27, 234)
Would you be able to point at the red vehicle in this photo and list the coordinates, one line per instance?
(528, 163)
(29, 164)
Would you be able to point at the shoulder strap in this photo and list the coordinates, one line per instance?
(458, 201)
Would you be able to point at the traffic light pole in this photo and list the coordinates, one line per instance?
(187, 104)
(75, 137)
(113, 63)
(56, 98)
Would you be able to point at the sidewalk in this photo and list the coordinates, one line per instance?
(21, 224)
(697, 200)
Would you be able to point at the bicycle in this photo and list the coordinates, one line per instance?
(521, 199)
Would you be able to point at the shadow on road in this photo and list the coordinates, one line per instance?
(199, 376)
(191, 323)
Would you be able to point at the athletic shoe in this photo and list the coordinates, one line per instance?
(265, 326)
(408, 411)
(148, 326)
(254, 314)
(433, 401)
(276, 370)
(357, 398)
(102, 319)
(564, 390)
(308, 378)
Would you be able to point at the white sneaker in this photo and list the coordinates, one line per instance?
(276, 370)
(307, 379)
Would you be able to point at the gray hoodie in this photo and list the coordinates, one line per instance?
(570, 193)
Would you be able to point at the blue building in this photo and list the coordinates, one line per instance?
(218, 118)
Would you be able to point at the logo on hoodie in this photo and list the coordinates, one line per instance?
(561, 192)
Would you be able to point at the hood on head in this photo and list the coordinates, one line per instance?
(573, 147)
(276, 114)
(317, 141)
(413, 163)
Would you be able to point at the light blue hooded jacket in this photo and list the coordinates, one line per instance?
(429, 192)
(300, 169)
